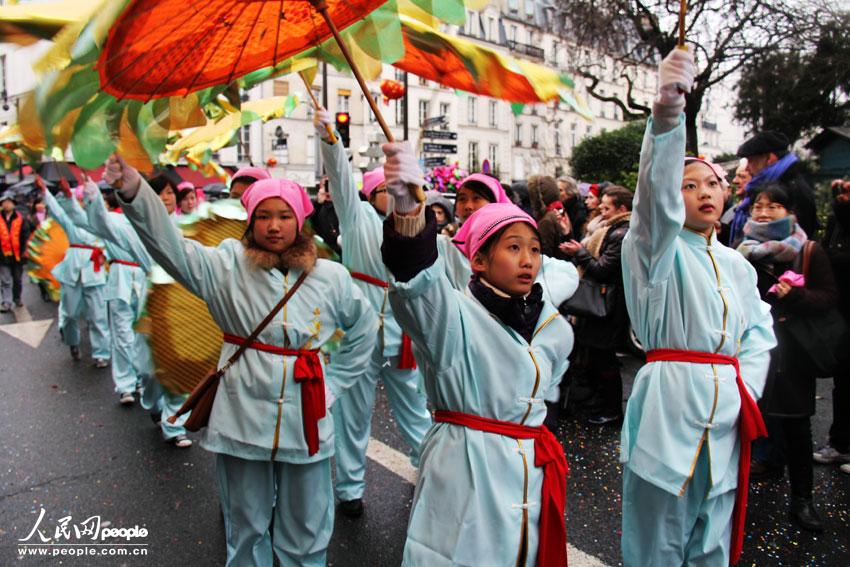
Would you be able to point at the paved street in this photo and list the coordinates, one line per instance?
(67, 447)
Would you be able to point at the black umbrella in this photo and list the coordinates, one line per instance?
(53, 171)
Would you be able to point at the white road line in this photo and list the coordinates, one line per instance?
(28, 332)
(399, 464)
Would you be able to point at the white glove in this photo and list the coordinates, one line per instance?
(90, 190)
(321, 121)
(118, 170)
(400, 171)
(675, 76)
(329, 397)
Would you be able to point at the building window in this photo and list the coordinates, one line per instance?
(469, 26)
(513, 34)
(281, 88)
(423, 82)
(376, 97)
(492, 35)
(399, 111)
(534, 139)
(311, 150)
(473, 156)
(399, 75)
(494, 121)
(573, 128)
(492, 153)
(424, 111)
(472, 110)
(342, 98)
(444, 111)
(557, 141)
(518, 134)
(243, 149)
(513, 5)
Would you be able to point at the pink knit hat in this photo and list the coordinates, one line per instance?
(491, 184)
(718, 171)
(371, 180)
(185, 185)
(255, 173)
(484, 223)
(289, 191)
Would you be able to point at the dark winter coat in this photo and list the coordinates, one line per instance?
(326, 224)
(791, 382)
(836, 240)
(605, 332)
(802, 198)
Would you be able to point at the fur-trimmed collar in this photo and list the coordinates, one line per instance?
(301, 255)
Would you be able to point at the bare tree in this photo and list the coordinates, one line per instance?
(725, 36)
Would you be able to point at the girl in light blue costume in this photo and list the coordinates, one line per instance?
(361, 226)
(130, 264)
(273, 450)
(695, 307)
(492, 480)
(82, 274)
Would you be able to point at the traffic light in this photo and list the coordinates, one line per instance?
(343, 121)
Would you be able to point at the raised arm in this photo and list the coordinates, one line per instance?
(423, 300)
(659, 211)
(121, 234)
(344, 194)
(60, 214)
(195, 266)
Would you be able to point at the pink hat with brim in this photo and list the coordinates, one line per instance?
(371, 180)
(485, 222)
(289, 191)
(492, 184)
(255, 173)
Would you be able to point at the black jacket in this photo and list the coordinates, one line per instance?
(791, 383)
(836, 240)
(605, 332)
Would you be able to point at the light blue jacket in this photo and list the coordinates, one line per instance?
(362, 230)
(77, 266)
(257, 411)
(474, 486)
(122, 243)
(686, 291)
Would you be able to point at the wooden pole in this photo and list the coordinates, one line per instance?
(321, 7)
(316, 105)
(683, 11)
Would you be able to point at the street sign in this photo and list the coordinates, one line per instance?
(439, 148)
(434, 121)
(435, 161)
(439, 134)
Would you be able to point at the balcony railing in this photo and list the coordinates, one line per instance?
(525, 49)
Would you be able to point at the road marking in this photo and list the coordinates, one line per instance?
(399, 464)
(31, 333)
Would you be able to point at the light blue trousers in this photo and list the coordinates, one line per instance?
(131, 360)
(353, 420)
(660, 528)
(299, 496)
(167, 405)
(73, 300)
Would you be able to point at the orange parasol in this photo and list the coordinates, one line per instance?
(160, 48)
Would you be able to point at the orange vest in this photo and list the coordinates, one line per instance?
(11, 243)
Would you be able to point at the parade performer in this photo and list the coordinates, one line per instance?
(243, 179)
(695, 307)
(82, 274)
(492, 484)
(558, 278)
(361, 227)
(130, 265)
(268, 425)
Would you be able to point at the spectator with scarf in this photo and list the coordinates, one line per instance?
(773, 243)
(768, 160)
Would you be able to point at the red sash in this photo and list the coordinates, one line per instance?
(126, 263)
(751, 427)
(96, 255)
(308, 373)
(548, 453)
(406, 360)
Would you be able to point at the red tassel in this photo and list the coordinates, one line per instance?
(406, 360)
